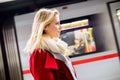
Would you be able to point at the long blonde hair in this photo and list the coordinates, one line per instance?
(42, 18)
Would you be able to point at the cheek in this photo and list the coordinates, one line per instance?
(57, 28)
(54, 28)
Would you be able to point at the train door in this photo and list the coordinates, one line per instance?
(11, 61)
(23, 30)
(114, 10)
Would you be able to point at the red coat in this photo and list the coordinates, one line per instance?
(44, 66)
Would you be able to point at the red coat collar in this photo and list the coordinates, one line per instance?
(50, 61)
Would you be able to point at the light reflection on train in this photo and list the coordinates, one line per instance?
(87, 31)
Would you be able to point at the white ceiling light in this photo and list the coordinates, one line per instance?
(3, 1)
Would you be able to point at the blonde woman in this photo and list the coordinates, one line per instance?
(47, 59)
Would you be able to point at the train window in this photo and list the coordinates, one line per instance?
(79, 34)
(118, 14)
(80, 41)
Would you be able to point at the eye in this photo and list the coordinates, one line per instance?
(58, 23)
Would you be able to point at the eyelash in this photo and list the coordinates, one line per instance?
(58, 23)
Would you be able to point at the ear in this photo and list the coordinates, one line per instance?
(46, 28)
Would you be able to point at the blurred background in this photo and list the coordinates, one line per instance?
(90, 27)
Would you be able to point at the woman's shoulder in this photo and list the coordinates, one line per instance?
(39, 52)
(42, 54)
(45, 57)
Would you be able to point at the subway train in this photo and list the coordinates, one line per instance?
(95, 24)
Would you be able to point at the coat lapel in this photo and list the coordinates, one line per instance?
(50, 62)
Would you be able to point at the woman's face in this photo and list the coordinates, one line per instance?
(54, 28)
